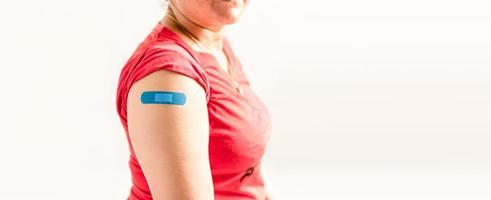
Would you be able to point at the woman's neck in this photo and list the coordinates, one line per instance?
(210, 39)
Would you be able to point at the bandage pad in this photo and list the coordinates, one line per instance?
(163, 97)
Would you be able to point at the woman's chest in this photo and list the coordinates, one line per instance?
(240, 123)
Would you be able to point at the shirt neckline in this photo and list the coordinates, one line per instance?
(202, 55)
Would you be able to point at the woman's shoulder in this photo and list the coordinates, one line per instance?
(163, 55)
(165, 52)
(160, 43)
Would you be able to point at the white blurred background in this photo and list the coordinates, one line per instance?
(370, 99)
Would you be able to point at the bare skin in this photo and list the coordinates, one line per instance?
(174, 155)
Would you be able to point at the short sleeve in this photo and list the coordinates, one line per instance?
(161, 58)
(153, 58)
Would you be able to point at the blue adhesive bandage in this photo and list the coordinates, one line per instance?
(163, 97)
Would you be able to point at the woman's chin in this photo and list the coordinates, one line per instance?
(231, 20)
(229, 11)
(231, 16)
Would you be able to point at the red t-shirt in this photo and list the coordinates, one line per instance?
(240, 123)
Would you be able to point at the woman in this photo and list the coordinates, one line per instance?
(195, 128)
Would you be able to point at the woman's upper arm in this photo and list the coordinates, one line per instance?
(171, 141)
